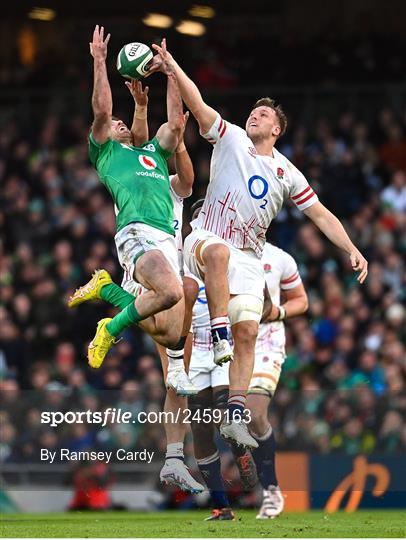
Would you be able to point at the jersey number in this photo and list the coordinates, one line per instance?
(176, 224)
(258, 188)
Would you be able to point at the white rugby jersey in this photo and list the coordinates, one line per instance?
(202, 339)
(281, 273)
(177, 216)
(246, 190)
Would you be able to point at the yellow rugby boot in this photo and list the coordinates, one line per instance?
(90, 291)
(100, 344)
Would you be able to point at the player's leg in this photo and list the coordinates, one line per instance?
(149, 262)
(206, 453)
(174, 471)
(262, 388)
(214, 258)
(177, 378)
(247, 281)
(164, 293)
(102, 287)
(191, 292)
(155, 274)
(207, 256)
(245, 312)
(150, 257)
(243, 458)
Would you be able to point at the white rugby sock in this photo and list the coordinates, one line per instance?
(175, 359)
(174, 451)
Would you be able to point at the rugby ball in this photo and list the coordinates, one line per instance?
(133, 60)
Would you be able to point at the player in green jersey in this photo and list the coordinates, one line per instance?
(138, 181)
(174, 471)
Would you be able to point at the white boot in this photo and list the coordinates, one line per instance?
(180, 382)
(238, 433)
(175, 473)
(223, 352)
(272, 504)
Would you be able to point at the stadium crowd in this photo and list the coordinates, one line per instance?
(367, 54)
(344, 380)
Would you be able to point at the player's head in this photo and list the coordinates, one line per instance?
(266, 120)
(119, 131)
(195, 208)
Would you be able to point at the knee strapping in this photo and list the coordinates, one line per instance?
(245, 307)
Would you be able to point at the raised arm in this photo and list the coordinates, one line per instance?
(204, 114)
(168, 134)
(182, 182)
(139, 128)
(102, 101)
(331, 226)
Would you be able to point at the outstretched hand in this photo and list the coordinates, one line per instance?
(98, 46)
(162, 61)
(139, 94)
(359, 264)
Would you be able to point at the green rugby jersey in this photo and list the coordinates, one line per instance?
(138, 181)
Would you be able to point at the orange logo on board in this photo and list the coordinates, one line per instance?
(355, 482)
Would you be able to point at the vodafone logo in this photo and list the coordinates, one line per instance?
(147, 162)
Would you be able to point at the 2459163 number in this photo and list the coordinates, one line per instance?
(207, 416)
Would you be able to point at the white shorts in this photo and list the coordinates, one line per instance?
(204, 373)
(138, 238)
(267, 370)
(245, 270)
(131, 286)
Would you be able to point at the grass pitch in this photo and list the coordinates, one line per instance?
(190, 524)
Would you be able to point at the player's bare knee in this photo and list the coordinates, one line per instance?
(245, 333)
(170, 296)
(168, 336)
(171, 338)
(216, 255)
(259, 421)
(173, 297)
(190, 290)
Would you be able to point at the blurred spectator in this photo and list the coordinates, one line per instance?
(91, 487)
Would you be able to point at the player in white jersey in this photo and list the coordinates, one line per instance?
(249, 181)
(177, 382)
(207, 407)
(282, 276)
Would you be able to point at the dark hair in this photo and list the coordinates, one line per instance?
(268, 102)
